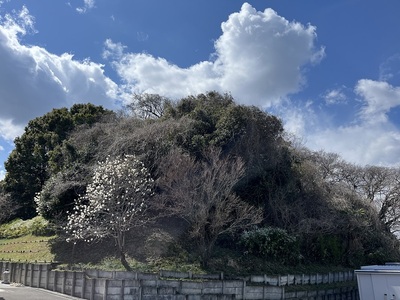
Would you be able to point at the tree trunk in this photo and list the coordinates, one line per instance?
(207, 248)
(121, 248)
(124, 262)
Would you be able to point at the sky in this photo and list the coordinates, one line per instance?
(329, 69)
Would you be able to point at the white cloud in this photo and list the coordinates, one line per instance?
(113, 50)
(379, 97)
(259, 58)
(389, 70)
(3, 1)
(361, 144)
(87, 5)
(33, 80)
(335, 96)
(371, 138)
(9, 130)
(297, 117)
(2, 173)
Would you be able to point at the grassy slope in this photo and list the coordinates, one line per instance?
(102, 256)
(26, 248)
(149, 249)
(32, 248)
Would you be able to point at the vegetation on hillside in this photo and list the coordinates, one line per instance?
(37, 151)
(226, 178)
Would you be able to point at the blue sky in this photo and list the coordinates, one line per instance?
(329, 69)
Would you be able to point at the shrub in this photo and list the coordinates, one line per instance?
(275, 244)
(59, 192)
(17, 228)
(41, 227)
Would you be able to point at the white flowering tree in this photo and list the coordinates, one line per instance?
(116, 200)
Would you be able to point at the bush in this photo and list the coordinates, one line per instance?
(59, 192)
(37, 226)
(275, 244)
(41, 227)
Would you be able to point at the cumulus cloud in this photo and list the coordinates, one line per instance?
(298, 117)
(9, 129)
(259, 58)
(379, 97)
(371, 137)
(33, 80)
(361, 144)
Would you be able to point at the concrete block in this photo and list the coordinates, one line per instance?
(192, 285)
(233, 284)
(212, 284)
(172, 274)
(271, 280)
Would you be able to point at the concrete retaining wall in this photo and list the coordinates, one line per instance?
(101, 285)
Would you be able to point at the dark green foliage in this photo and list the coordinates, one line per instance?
(7, 208)
(36, 154)
(326, 248)
(211, 103)
(59, 193)
(274, 244)
(204, 111)
(230, 126)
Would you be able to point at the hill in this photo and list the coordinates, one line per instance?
(216, 183)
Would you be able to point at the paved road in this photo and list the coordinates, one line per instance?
(10, 292)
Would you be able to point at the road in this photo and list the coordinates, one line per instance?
(12, 292)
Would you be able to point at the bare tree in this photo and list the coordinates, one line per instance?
(375, 182)
(377, 186)
(147, 106)
(202, 194)
(381, 187)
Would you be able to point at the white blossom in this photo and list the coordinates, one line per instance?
(115, 200)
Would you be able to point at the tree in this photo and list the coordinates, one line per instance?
(377, 186)
(34, 158)
(361, 208)
(59, 193)
(202, 193)
(116, 201)
(148, 106)
(7, 209)
(380, 186)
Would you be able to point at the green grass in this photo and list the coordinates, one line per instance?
(28, 248)
(26, 240)
(21, 241)
(101, 256)
(150, 266)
